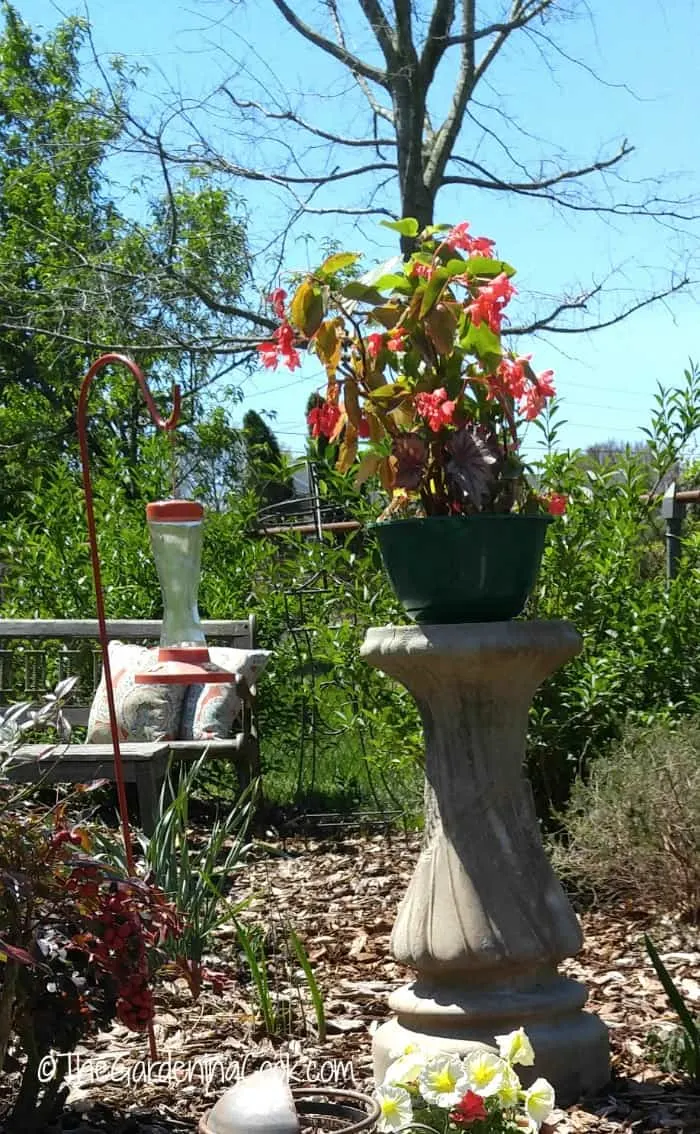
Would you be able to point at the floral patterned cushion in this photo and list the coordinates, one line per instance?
(210, 711)
(144, 712)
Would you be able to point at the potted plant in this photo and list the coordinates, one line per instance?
(422, 394)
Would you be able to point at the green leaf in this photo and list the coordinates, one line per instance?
(357, 290)
(394, 283)
(482, 342)
(433, 290)
(337, 262)
(407, 227)
(312, 984)
(678, 1003)
(483, 267)
(391, 390)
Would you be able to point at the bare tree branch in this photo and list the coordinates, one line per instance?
(376, 107)
(522, 12)
(289, 116)
(436, 41)
(446, 136)
(357, 66)
(548, 322)
(493, 182)
(380, 26)
(521, 15)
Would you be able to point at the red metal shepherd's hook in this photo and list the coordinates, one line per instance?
(167, 425)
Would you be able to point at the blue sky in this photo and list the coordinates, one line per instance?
(644, 49)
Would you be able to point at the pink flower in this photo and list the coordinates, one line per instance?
(458, 237)
(533, 401)
(435, 408)
(557, 503)
(283, 347)
(490, 301)
(322, 420)
(423, 270)
(277, 298)
(268, 355)
(482, 246)
(375, 343)
(512, 374)
(544, 384)
(396, 342)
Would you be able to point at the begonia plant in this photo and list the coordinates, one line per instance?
(421, 390)
(443, 1093)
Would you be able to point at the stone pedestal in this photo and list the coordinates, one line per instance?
(484, 921)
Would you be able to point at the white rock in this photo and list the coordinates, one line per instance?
(260, 1103)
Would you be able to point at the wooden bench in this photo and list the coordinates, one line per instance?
(29, 668)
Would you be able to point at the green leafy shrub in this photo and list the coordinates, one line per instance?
(336, 735)
(633, 827)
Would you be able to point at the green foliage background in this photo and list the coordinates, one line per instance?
(335, 734)
(77, 274)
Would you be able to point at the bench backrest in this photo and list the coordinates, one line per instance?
(29, 666)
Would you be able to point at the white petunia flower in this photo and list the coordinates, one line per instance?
(539, 1100)
(484, 1072)
(405, 1071)
(395, 1110)
(516, 1048)
(443, 1081)
(510, 1089)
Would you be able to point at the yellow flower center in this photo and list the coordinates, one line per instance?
(390, 1107)
(482, 1074)
(443, 1080)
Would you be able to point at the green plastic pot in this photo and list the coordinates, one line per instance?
(463, 568)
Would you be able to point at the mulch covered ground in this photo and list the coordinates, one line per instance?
(341, 898)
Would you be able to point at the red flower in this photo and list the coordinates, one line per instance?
(458, 237)
(534, 399)
(268, 355)
(322, 420)
(490, 301)
(557, 503)
(363, 429)
(283, 347)
(482, 246)
(470, 1108)
(435, 408)
(512, 375)
(396, 342)
(285, 338)
(544, 384)
(423, 270)
(277, 298)
(375, 343)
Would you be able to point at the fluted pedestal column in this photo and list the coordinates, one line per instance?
(484, 921)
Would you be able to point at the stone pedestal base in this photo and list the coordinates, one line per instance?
(571, 1045)
(484, 921)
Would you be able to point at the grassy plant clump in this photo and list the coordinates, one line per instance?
(633, 828)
